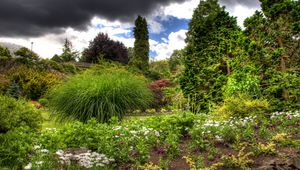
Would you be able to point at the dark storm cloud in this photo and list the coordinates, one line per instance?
(230, 4)
(38, 17)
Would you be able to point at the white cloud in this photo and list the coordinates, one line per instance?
(242, 13)
(185, 11)
(48, 45)
(155, 27)
(165, 49)
(182, 11)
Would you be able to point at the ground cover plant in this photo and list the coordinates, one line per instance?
(167, 142)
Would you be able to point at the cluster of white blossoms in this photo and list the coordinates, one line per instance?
(38, 149)
(87, 159)
(241, 121)
(144, 131)
(288, 115)
(215, 127)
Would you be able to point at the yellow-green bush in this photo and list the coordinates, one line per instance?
(241, 106)
(33, 83)
(4, 83)
(17, 113)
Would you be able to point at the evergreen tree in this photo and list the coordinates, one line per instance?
(141, 45)
(275, 48)
(57, 58)
(206, 55)
(68, 53)
(14, 90)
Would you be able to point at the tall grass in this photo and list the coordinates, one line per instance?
(100, 94)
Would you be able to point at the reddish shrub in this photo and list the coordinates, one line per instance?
(156, 87)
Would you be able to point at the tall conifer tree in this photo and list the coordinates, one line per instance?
(205, 61)
(140, 57)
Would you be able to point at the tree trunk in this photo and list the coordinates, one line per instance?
(285, 93)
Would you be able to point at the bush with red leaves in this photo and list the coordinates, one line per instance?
(156, 87)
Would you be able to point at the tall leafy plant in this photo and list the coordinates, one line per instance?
(100, 94)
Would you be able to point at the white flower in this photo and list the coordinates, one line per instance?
(133, 132)
(59, 152)
(36, 147)
(44, 151)
(39, 162)
(117, 128)
(99, 164)
(157, 133)
(68, 155)
(28, 166)
(106, 161)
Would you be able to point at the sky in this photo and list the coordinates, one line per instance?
(47, 23)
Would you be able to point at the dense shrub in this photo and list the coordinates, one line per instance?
(242, 106)
(174, 98)
(43, 102)
(15, 147)
(157, 87)
(243, 81)
(102, 47)
(278, 84)
(33, 83)
(4, 83)
(100, 94)
(69, 68)
(17, 113)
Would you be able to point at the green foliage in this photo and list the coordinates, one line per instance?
(176, 60)
(130, 142)
(101, 94)
(15, 146)
(267, 149)
(14, 90)
(242, 81)
(44, 102)
(68, 53)
(161, 67)
(57, 58)
(33, 83)
(241, 106)
(207, 53)
(17, 113)
(4, 83)
(69, 68)
(141, 49)
(278, 82)
(274, 48)
(174, 98)
(26, 55)
(242, 160)
(4, 53)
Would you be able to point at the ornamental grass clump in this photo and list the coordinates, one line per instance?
(100, 94)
